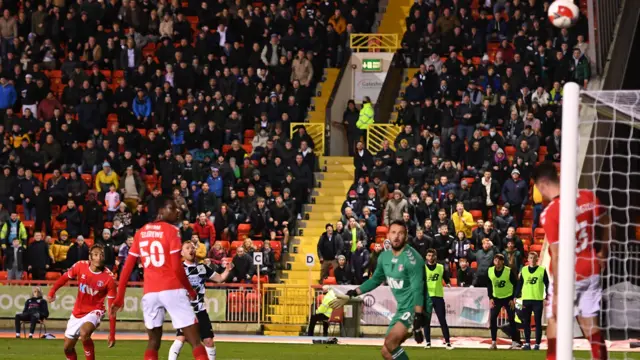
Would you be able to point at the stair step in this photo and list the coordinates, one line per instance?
(337, 191)
(289, 319)
(302, 274)
(339, 168)
(335, 176)
(329, 200)
(330, 217)
(281, 333)
(316, 208)
(318, 224)
(333, 183)
(325, 160)
(283, 328)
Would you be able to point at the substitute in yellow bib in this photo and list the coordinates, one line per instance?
(501, 289)
(323, 313)
(436, 276)
(533, 284)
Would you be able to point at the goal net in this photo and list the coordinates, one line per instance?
(600, 151)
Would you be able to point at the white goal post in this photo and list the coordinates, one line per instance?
(600, 151)
(567, 247)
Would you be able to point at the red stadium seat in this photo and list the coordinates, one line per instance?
(52, 275)
(382, 230)
(235, 301)
(477, 214)
(330, 281)
(225, 245)
(3, 275)
(539, 234)
(258, 244)
(525, 234)
(276, 246)
(264, 279)
(252, 300)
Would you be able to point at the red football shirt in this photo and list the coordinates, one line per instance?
(93, 288)
(153, 244)
(588, 211)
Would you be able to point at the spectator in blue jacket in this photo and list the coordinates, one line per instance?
(8, 95)
(177, 139)
(515, 192)
(142, 109)
(215, 182)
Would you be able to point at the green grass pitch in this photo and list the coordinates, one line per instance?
(22, 349)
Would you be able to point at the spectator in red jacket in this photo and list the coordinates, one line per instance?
(205, 230)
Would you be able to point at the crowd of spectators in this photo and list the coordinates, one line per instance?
(483, 108)
(106, 105)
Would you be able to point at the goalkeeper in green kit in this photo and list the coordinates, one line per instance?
(403, 269)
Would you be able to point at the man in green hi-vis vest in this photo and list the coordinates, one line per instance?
(403, 269)
(435, 276)
(533, 284)
(501, 289)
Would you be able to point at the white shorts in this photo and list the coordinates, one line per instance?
(175, 302)
(74, 324)
(587, 297)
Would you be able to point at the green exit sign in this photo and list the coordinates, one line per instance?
(372, 65)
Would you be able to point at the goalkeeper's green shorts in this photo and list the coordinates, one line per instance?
(404, 316)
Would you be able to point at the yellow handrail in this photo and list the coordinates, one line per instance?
(377, 133)
(317, 133)
(374, 42)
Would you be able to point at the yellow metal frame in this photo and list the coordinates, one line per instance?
(374, 42)
(377, 133)
(287, 304)
(316, 131)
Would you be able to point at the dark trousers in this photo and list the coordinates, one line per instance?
(440, 309)
(314, 320)
(493, 319)
(32, 318)
(38, 273)
(517, 212)
(535, 307)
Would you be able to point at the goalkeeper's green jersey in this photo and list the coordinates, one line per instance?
(404, 274)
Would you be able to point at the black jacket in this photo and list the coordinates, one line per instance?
(330, 249)
(77, 253)
(36, 305)
(38, 255)
(11, 257)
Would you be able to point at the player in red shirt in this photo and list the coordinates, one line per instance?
(589, 260)
(95, 283)
(166, 286)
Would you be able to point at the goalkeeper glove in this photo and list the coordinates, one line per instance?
(352, 293)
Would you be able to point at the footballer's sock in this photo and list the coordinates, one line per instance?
(211, 352)
(71, 354)
(551, 349)
(174, 351)
(199, 353)
(151, 354)
(399, 354)
(598, 346)
(89, 350)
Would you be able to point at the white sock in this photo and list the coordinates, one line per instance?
(211, 351)
(18, 334)
(174, 351)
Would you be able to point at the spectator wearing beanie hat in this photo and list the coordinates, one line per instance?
(395, 207)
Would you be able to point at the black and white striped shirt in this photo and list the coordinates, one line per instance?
(198, 275)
